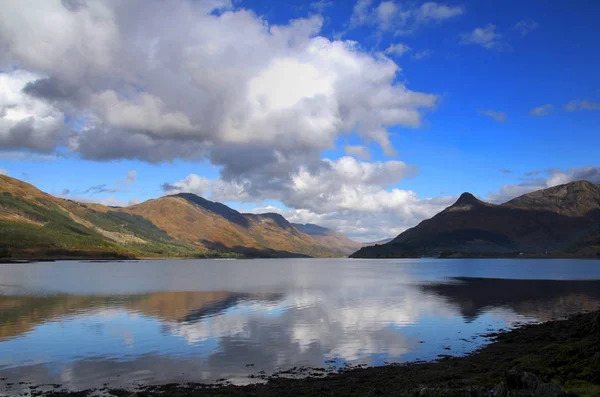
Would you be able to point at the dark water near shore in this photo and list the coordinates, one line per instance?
(84, 324)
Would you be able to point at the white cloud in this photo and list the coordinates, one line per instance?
(130, 178)
(386, 13)
(487, 37)
(26, 122)
(578, 104)
(423, 54)
(525, 27)
(397, 49)
(190, 184)
(188, 83)
(391, 16)
(500, 117)
(553, 177)
(3, 171)
(438, 12)
(360, 13)
(352, 196)
(259, 101)
(540, 111)
(590, 173)
(321, 5)
(359, 151)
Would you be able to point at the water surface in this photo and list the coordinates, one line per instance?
(87, 324)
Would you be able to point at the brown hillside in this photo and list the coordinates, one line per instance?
(563, 221)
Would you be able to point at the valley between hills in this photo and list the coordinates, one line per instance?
(561, 221)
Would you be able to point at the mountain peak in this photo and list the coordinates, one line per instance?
(467, 199)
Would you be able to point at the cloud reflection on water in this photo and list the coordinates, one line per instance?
(368, 316)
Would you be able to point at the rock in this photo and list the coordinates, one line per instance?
(500, 390)
(521, 383)
(596, 324)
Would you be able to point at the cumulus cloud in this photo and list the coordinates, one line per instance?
(397, 49)
(578, 104)
(590, 173)
(500, 117)
(259, 101)
(369, 226)
(355, 197)
(540, 111)
(391, 16)
(190, 184)
(197, 81)
(3, 171)
(25, 121)
(504, 171)
(487, 37)
(552, 177)
(525, 27)
(359, 151)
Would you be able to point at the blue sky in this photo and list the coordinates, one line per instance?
(460, 94)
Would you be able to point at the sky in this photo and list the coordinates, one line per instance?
(364, 116)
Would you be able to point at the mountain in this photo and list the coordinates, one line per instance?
(559, 221)
(34, 224)
(329, 238)
(385, 240)
(214, 226)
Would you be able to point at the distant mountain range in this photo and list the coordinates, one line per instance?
(560, 221)
(330, 238)
(34, 224)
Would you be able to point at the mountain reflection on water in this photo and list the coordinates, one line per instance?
(349, 311)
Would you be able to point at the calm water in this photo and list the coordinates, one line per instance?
(84, 324)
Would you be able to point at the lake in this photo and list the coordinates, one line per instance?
(86, 324)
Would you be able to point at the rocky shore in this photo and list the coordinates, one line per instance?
(557, 358)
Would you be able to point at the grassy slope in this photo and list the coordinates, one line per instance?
(203, 225)
(34, 224)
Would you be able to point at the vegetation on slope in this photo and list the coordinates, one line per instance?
(559, 221)
(36, 225)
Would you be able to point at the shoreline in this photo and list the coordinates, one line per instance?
(555, 358)
(127, 259)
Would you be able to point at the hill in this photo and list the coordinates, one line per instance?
(36, 225)
(560, 221)
(329, 238)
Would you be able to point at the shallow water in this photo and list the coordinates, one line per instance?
(86, 324)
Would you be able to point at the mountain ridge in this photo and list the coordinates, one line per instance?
(559, 221)
(329, 237)
(35, 224)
